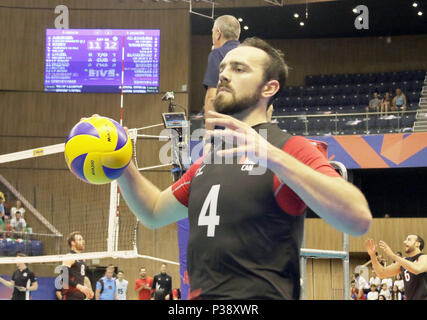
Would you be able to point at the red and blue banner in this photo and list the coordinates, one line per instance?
(400, 150)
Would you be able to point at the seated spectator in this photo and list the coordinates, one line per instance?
(375, 279)
(18, 224)
(373, 294)
(353, 290)
(381, 297)
(385, 292)
(361, 282)
(399, 101)
(399, 283)
(359, 294)
(374, 104)
(19, 208)
(396, 294)
(385, 103)
(388, 282)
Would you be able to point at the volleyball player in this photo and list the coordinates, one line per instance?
(79, 286)
(413, 267)
(245, 228)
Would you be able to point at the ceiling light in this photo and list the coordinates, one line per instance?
(301, 24)
(355, 10)
(246, 27)
(360, 18)
(420, 13)
(240, 20)
(296, 15)
(415, 4)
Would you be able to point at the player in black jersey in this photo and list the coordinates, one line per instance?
(413, 267)
(246, 225)
(79, 286)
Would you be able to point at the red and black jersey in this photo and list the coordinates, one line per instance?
(415, 284)
(76, 274)
(245, 229)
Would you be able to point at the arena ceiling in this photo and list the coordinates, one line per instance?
(326, 19)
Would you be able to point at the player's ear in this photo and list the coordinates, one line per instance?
(270, 88)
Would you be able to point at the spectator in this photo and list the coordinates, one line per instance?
(374, 104)
(385, 291)
(162, 284)
(388, 282)
(17, 208)
(375, 279)
(399, 283)
(373, 294)
(387, 216)
(399, 101)
(361, 282)
(121, 285)
(18, 224)
(353, 290)
(143, 285)
(225, 37)
(176, 294)
(106, 286)
(381, 297)
(396, 294)
(385, 103)
(359, 294)
(2, 202)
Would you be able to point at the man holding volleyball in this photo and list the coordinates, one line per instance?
(246, 228)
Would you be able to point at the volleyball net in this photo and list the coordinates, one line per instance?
(56, 203)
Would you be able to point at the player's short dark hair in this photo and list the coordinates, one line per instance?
(72, 237)
(421, 241)
(276, 68)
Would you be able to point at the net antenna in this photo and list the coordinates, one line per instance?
(280, 3)
(210, 2)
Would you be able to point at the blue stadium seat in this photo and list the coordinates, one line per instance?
(419, 75)
(413, 96)
(11, 247)
(407, 120)
(3, 251)
(36, 248)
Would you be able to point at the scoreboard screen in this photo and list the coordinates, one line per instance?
(99, 60)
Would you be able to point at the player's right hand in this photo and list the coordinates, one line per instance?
(87, 291)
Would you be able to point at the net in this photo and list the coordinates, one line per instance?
(56, 203)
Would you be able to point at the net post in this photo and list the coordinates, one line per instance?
(112, 219)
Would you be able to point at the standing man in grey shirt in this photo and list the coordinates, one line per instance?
(225, 37)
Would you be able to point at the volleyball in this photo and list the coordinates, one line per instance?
(97, 150)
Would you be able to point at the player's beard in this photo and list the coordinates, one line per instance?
(227, 103)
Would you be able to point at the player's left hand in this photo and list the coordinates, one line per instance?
(387, 250)
(249, 142)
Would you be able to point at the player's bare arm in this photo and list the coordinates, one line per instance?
(337, 201)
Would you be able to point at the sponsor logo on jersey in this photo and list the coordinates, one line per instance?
(247, 164)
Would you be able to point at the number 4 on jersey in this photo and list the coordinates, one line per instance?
(212, 219)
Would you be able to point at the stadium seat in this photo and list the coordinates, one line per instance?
(36, 248)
